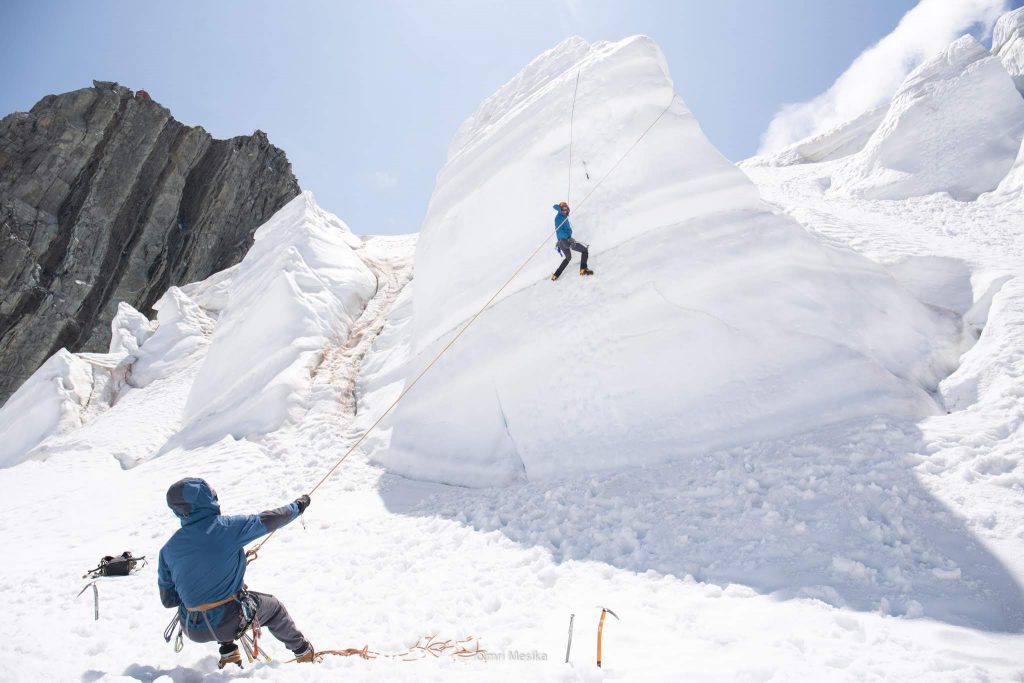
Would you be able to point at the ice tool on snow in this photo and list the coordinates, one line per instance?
(600, 630)
(568, 646)
(121, 565)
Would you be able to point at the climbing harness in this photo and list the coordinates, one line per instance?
(110, 565)
(253, 553)
(248, 633)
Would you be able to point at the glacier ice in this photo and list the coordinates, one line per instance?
(711, 319)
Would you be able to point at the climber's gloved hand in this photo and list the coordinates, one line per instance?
(303, 503)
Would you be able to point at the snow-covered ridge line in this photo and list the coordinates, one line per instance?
(298, 290)
(837, 142)
(955, 125)
(247, 338)
(935, 136)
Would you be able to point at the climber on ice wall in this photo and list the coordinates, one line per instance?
(202, 568)
(566, 244)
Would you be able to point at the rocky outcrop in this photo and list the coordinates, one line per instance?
(105, 197)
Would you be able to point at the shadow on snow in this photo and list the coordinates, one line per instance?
(837, 514)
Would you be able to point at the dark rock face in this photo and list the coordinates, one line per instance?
(104, 197)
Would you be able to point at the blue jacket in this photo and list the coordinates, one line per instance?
(564, 228)
(204, 561)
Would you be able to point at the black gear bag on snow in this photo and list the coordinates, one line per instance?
(120, 565)
(110, 565)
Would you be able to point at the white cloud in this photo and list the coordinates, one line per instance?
(384, 180)
(873, 77)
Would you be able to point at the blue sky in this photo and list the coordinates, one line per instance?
(365, 96)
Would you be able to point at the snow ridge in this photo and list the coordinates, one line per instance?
(935, 137)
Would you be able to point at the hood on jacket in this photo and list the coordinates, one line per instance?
(192, 499)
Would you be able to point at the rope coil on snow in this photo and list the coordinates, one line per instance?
(253, 553)
(467, 648)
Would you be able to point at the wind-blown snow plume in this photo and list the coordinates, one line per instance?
(875, 74)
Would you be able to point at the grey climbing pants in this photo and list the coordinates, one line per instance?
(271, 613)
(566, 246)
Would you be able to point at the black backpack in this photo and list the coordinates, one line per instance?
(121, 565)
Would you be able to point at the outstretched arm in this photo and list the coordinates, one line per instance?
(247, 528)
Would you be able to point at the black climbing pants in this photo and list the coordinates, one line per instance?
(567, 246)
(271, 613)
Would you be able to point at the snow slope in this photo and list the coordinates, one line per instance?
(967, 256)
(955, 125)
(1011, 188)
(50, 402)
(712, 321)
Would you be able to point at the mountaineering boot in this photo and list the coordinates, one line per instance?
(305, 653)
(229, 654)
(586, 271)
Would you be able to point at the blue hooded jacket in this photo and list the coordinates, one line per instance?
(204, 561)
(563, 227)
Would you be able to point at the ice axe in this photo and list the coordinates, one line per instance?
(600, 629)
(568, 646)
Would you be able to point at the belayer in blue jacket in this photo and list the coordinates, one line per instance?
(202, 567)
(566, 244)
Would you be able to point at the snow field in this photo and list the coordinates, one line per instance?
(372, 564)
(952, 254)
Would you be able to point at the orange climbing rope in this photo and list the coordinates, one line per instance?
(253, 553)
(467, 648)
